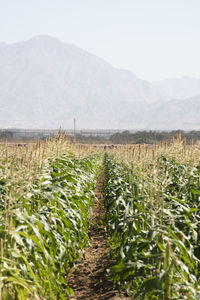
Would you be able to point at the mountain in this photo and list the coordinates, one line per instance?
(176, 114)
(168, 115)
(178, 88)
(45, 82)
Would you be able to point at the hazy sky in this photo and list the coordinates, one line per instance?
(153, 38)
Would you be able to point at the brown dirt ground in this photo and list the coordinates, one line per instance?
(89, 280)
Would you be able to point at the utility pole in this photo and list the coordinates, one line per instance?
(74, 139)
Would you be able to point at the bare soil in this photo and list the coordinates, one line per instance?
(90, 280)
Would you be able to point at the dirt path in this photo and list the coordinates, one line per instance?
(89, 280)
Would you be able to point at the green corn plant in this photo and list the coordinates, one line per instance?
(149, 214)
(47, 219)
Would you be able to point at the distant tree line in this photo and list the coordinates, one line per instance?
(140, 137)
(152, 137)
(12, 134)
(89, 139)
(125, 137)
(6, 134)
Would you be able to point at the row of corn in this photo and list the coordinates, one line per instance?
(43, 228)
(153, 223)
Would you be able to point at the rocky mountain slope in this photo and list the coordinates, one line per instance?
(178, 88)
(45, 83)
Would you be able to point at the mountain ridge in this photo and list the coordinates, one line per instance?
(45, 83)
(179, 88)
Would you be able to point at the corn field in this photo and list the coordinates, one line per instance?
(46, 194)
(152, 201)
(152, 197)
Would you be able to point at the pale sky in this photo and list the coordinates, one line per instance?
(154, 39)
